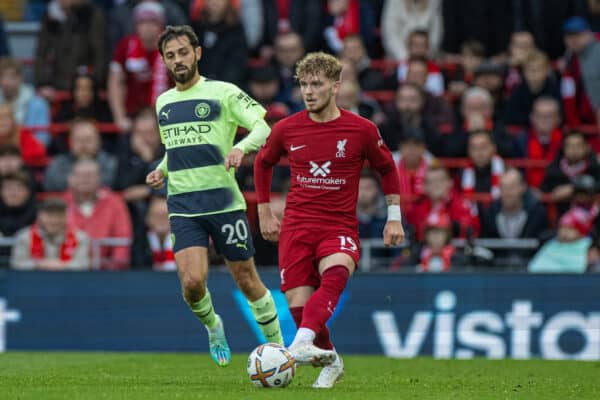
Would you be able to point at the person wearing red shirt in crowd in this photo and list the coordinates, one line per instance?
(32, 151)
(348, 17)
(543, 140)
(482, 174)
(326, 148)
(440, 197)
(99, 212)
(137, 74)
(412, 161)
(438, 254)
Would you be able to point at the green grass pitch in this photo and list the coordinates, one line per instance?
(80, 376)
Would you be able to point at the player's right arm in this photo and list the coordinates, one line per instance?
(156, 178)
(266, 158)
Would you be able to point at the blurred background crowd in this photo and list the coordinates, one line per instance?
(491, 109)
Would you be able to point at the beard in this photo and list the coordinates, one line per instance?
(184, 77)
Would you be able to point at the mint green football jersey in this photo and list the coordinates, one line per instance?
(198, 127)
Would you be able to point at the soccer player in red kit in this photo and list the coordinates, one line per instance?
(318, 237)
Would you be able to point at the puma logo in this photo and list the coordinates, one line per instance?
(242, 246)
(165, 113)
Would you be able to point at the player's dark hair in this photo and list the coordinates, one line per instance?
(173, 32)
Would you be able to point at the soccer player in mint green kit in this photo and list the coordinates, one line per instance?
(198, 120)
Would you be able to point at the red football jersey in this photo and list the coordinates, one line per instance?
(325, 162)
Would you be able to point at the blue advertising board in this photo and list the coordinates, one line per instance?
(445, 316)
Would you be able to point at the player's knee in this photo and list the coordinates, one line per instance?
(192, 284)
(248, 281)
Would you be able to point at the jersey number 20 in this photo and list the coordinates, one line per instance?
(235, 233)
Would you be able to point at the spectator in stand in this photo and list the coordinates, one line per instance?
(84, 143)
(521, 45)
(85, 102)
(593, 15)
(354, 50)
(568, 252)
(221, 36)
(543, 140)
(441, 197)
(408, 114)
(437, 253)
(51, 244)
(539, 82)
(17, 203)
(302, 16)
(72, 38)
(140, 151)
(413, 159)
(100, 213)
(348, 17)
(516, 214)
(371, 215)
(472, 55)
(490, 76)
(401, 18)
(32, 151)
(350, 98)
(121, 16)
(11, 162)
(288, 51)
(436, 107)
(264, 87)
(489, 22)
(576, 159)
(4, 48)
(585, 191)
(580, 84)
(540, 17)
(29, 108)
(477, 112)
(137, 73)
(157, 252)
(370, 207)
(482, 175)
(418, 49)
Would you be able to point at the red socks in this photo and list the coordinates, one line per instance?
(322, 340)
(321, 305)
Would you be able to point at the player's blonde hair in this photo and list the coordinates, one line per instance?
(315, 63)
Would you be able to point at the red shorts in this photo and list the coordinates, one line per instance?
(300, 251)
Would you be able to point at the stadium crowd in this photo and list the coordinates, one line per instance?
(491, 109)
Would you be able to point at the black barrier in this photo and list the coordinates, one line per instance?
(463, 316)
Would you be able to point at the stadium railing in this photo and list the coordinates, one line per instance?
(96, 246)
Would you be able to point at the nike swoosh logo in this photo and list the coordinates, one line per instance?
(292, 148)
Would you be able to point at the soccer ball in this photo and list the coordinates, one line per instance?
(270, 365)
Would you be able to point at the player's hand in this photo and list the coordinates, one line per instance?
(234, 158)
(269, 223)
(393, 233)
(155, 179)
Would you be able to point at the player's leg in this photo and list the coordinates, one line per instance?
(190, 243)
(259, 298)
(230, 232)
(298, 281)
(339, 256)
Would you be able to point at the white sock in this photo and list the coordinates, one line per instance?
(304, 335)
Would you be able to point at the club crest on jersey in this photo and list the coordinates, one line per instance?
(341, 148)
(202, 110)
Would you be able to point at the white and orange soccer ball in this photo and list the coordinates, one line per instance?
(271, 365)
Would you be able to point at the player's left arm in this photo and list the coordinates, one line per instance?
(246, 112)
(381, 159)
